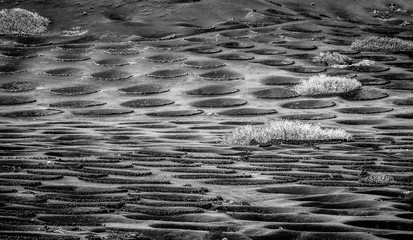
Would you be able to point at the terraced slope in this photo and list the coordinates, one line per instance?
(107, 136)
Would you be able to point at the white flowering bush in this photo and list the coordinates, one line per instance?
(21, 21)
(381, 44)
(322, 84)
(332, 58)
(283, 130)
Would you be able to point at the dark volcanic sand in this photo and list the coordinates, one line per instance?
(115, 134)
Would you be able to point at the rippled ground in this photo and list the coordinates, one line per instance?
(113, 138)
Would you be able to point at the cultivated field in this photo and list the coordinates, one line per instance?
(193, 120)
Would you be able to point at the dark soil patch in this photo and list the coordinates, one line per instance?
(395, 76)
(360, 121)
(364, 110)
(366, 95)
(235, 33)
(407, 65)
(296, 190)
(336, 24)
(302, 36)
(267, 51)
(18, 53)
(166, 189)
(176, 113)
(221, 75)
(369, 69)
(282, 217)
(32, 113)
(235, 57)
(204, 49)
(309, 116)
(297, 28)
(165, 58)
(276, 62)
(304, 56)
(266, 38)
(107, 180)
(71, 57)
(195, 227)
(115, 46)
(75, 90)
(248, 112)
(63, 72)
(200, 39)
(382, 224)
(103, 112)
(219, 103)
(168, 73)
(399, 85)
(10, 68)
(15, 100)
(376, 58)
(308, 104)
(76, 104)
(123, 52)
(341, 33)
(393, 127)
(76, 220)
(204, 64)
(408, 115)
(209, 176)
(35, 236)
(312, 227)
(236, 45)
(276, 93)
(213, 90)
(345, 52)
(76, 47)
(280, 80)
(396, 236)
(405, 101)
(337, 42)
(381, 30)
(111, 75)
(32, 41)
(175, 197)
(302, 69)
(198, 170)
(408, 216)
(240, 182)
(31, 177)
(147, 102)
(17, 86)
(144, 89)
(301, 47)
(110, 62)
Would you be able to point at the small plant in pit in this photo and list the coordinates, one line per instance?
(381, 44)
(322, 84)
(21, 21)
(332, 58)
(284, 130)
(360, 66)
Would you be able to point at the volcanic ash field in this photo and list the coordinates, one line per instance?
(116, 122)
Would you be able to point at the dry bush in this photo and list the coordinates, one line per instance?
(284, 130)
(327, 85)
(20, 21)
(381, 44)
(378, 178)
(332, 58)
